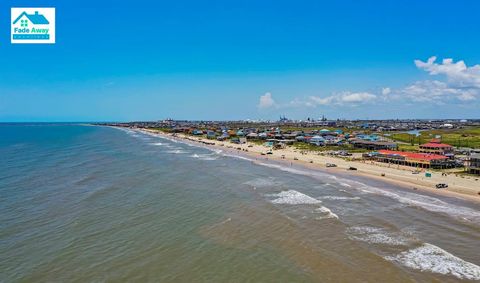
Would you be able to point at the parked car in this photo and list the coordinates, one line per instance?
(269, 152)
(352, 168)
(331, 165)
(344, 153)
(441, 186)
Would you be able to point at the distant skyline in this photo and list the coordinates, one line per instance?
(225, 60)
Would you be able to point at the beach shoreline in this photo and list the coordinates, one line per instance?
(462, 188)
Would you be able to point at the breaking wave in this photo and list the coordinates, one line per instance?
(339, 198)
(294, 197)
(377, 235)
(327, 213)
(264, 182)
(431, 258)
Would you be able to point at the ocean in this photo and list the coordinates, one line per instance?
(83, 203)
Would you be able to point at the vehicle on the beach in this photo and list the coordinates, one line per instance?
(250, 145)
(415, 172)
(331, 165)
(441, 186)
(343, 153)
(269, 152)
(263, 153)
(295, 158)
(352, 168)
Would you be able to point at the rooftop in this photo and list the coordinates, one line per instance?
(433, 144)
(414, 155)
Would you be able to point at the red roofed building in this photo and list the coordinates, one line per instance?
(436, 147)
(422, 160)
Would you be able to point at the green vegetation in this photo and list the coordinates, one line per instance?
(407, 147)
(165, 130)
(311, 147)
(467, 137)
(308, 129)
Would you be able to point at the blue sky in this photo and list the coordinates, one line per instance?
(148, 60)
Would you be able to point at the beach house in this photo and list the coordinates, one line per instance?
(414, 159)
(317, 140)
(373, 145)
(436, 147)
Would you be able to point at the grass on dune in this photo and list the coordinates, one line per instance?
(467, 137)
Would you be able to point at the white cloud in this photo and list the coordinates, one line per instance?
(344, 98)
(461, 85)
(322, 100)
(296, 102)
(266, 101)
(353, 97)
(436, 91)
(458, 74)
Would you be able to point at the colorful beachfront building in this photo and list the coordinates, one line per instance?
(414, 159)
(436, 147)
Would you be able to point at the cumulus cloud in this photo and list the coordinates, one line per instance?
(322, 100)
(436, 91)
(461, 84)
(344, 98)
(266, 101)
(457, 73)
(355, 97)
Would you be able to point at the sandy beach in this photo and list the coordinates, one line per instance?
(467, 187)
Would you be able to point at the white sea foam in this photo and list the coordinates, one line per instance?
(177, 151)
(263, 182)
(377, 235)
(339, 198)
(206, 157)
(238, 157)
(156, 143)
(328, 213)
(294, 197)
(431, 258)
(293, 170)
(426, 202)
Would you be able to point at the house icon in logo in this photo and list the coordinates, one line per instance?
(33, 25)
(36, 19)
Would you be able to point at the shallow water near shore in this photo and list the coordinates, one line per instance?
(81, 203)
